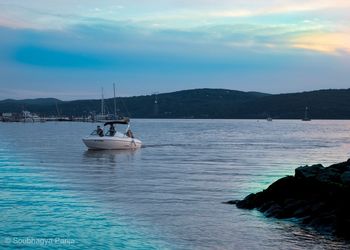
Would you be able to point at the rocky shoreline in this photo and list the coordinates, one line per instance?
(317, 196)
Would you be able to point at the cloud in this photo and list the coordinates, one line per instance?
(276, 24)
(334, 43)
(284, 7)
(162, 45)
(61, 14)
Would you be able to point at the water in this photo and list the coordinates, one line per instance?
(167, 195)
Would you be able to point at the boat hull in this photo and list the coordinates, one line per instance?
(111, 143)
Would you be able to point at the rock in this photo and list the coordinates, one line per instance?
(302, 212)
(345, 178)
(324, 223)
(342, 167)
(274, 211)
(249, 202)
(329, 175)
(232, 202)
(319, 197)
(290, 206)
(266, 206)
(308, 171)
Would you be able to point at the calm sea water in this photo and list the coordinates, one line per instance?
(167, 195)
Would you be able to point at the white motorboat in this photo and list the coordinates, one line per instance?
(30, 117)
(112, 139)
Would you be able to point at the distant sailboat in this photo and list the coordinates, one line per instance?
(156, 106)
(306, 115)
(102, 117)
(115, 103)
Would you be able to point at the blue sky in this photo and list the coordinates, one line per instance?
(69, 49)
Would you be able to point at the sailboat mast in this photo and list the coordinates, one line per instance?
(306, 115)
(115, 103)
(102, 104)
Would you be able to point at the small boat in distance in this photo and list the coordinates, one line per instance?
(306, 116)
(269, 119)
(30, 117)
(112, 139)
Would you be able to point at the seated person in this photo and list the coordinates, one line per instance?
(129, 134)
(112, 130)
(99, 131)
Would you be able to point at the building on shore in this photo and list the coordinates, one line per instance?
(24, 116)
(10, 117)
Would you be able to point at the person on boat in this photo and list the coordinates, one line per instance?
(111, 130)
(99, 131)
(129, 134)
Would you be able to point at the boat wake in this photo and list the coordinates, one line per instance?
(166, 145)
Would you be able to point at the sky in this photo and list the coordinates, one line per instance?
(70, 49)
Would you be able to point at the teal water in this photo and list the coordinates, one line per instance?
(167, 195)
(38, 212)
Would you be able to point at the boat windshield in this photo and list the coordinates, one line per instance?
(96, 133)
(111, 130)
(110, 133)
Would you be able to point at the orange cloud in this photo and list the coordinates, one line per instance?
(327, 43)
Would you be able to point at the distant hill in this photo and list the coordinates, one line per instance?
(201, 103)
(322, 104)
(38, 101)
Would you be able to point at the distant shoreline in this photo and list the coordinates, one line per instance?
(198, 104)
(188, 119)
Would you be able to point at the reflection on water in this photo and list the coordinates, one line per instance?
(169, 193)
(106, 156)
